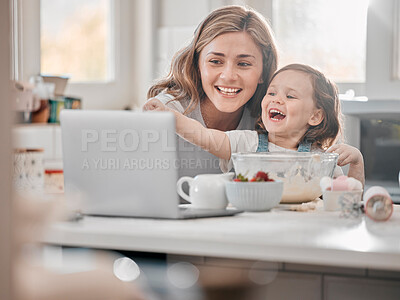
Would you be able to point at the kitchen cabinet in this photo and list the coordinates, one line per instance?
(292, 286)
(360, 288)
(299, 281)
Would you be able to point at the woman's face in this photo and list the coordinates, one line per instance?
(231, 67)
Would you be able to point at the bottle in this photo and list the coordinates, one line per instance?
(378, 204)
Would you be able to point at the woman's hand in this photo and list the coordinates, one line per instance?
(350, 155)
(154, 104)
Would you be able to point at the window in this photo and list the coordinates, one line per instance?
(396, 42)
(327, 34)
(75, 39)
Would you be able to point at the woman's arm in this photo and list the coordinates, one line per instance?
(350, 155)
(214, 141)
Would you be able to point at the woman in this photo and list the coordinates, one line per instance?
(220, 78)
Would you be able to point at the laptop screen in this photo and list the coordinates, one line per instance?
(121, 163)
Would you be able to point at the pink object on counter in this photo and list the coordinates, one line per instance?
(340, 184)
(344, 183)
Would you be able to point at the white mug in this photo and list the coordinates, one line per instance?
(206, 191)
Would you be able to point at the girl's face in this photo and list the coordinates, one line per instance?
(231, 67)
(288, 108)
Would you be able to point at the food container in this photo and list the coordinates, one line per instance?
(254, 196)
(56, 105)
(43, 113)
(72, 102)
(28, 172)
(332, 199)
(53, 181)
(300, 172)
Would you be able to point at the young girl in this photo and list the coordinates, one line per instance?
(300, 112)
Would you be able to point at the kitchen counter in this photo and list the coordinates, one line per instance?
(371, 108)
(315, 237)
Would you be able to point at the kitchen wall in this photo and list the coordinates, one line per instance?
(382, 52)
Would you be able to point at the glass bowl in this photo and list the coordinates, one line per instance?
(300, 172)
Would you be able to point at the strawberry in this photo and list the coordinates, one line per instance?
(259, 177)
(262, 176)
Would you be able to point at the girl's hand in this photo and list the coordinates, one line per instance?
(350, 155)
(154, 104)
(347, 154)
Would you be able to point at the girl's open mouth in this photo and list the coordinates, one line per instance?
(228, 91)
(276, 115)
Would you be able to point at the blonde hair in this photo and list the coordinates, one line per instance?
(184, 80)
(325, 96)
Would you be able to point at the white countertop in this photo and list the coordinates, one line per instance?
(315, 237)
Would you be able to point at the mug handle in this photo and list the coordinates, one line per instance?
(179, 187)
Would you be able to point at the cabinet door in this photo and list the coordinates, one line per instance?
(294, 286)
(359, 288)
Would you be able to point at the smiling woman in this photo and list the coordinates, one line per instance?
(220, 78)
(222, 75)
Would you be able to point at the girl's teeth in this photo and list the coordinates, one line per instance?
(276, 115)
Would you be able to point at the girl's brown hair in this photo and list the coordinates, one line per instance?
(184, 81)
(326, 98)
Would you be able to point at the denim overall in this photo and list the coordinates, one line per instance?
(263, 144)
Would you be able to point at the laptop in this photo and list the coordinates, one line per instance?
(124, 163)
